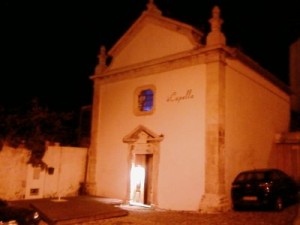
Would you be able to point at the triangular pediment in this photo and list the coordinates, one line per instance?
(153, 36)
(143, 134)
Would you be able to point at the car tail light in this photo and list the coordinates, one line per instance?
(36, 215)
(235, 185)
(266, 186)
(11, 222)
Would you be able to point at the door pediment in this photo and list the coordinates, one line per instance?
(142, 135)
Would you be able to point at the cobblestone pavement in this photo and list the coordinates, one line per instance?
(144, 216)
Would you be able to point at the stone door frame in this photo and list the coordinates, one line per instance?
(143, 141)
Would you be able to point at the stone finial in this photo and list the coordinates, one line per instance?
(216, 36)
(216, 21)
(102, 58)
(152, 8)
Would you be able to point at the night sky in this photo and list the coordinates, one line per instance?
(49, 49)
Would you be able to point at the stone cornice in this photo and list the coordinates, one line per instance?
(198, 56)
(168, 63)
(184, 59)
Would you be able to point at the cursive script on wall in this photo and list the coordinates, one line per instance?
(175, 97)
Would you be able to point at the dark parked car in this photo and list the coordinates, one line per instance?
(263, 188)
(14, 215)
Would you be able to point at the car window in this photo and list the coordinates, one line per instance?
(250, 176)
(275, 176)
(259, 176)
(283, 175)
(240, 178)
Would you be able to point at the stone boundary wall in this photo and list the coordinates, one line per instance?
(13, 172)
(66, 168)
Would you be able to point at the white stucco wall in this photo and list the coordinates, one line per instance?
(35, 182)
(255, 111)
(181, 163)
(18, 178)
(151, 42)
(69, 165)
(13, 171)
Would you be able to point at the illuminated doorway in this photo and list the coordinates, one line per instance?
(141, 186)
(143, 162)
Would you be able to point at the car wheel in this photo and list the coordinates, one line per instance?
(278, 204)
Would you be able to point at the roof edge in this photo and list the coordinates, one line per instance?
(236, 53)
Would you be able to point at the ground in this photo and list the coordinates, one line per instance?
(144, 216)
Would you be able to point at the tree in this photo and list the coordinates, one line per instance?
(32, 125)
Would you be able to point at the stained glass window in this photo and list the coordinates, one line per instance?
(145, 99)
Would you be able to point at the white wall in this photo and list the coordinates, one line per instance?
(160, 42)
(18, 178)
(181, 123)
(255, 111)
(69, 165)
(13, 172)
(35, 182)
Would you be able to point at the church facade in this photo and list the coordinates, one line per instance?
(177, 114)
